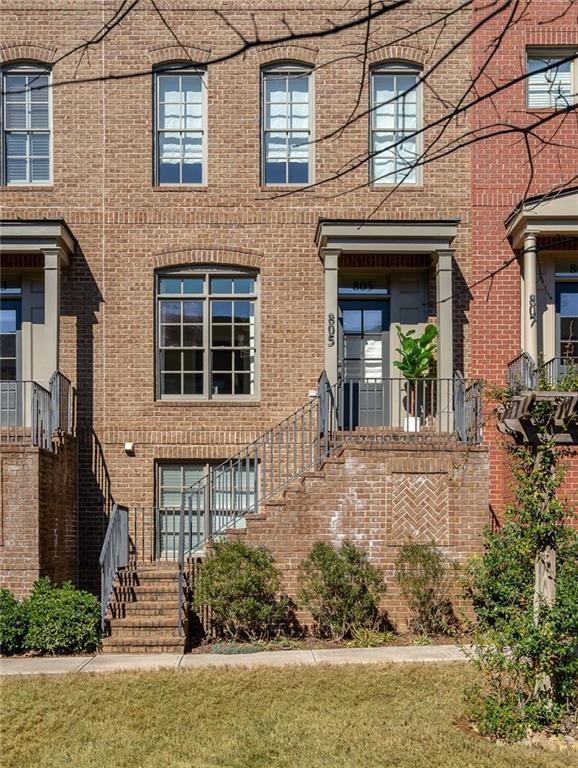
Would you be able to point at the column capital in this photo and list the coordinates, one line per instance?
(444, 258)
(54, 258)
(330, 257)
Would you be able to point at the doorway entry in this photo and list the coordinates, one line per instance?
(364, 360)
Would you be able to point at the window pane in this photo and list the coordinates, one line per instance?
(193, 384)
(170, 117)
(299, 88)
(299, 117)
(221, 336)
(243, 384)
(406, 86)
(16, 116)
(243, 336)
(171, 361)
(7, 370)
(372, 319)
(192, 88)
(275, 88)
(171, 311)
(39, 144)
(170, 285)
(171, 335)
(40, 169)
(244, 284)
(16, 144)
(243, 311)
(171, 384)
(192, 172)
(15, 171)
(351, 320)
(169, 90)
(221, 285)
(551, 88)
(193, 117)
(192, 311)
(192, 335)
(193, 284)
(39, 116)
(222, 361)
(15, 87)
(222, 311)
(169, 173)
(8, 345)
(192, 360)
(276, 116)
(222, 384)
(171, 476)
(244, 361)
(38, 88)
(170, 147)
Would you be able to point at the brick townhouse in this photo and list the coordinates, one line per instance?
(172, 297)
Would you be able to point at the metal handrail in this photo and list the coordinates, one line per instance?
(550, 375)
(113, 555)
(521, 372)
(62, 394)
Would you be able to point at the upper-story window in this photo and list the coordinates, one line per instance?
(206, 333)
(554, 87)
(181, 134)
(26, 118)
(287, 149)
(395, 118)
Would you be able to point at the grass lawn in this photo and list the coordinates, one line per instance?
(297, 717)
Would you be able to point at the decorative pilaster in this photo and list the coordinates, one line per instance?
(331, 266)
(52, 263)
(530, 319)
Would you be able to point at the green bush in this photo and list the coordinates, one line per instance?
(341, 589)
(12, 623)
(423, 575)
(61, 619)
(241, 586)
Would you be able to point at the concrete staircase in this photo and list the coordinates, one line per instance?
(143, 613)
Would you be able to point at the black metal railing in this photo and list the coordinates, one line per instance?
(521, 372)
(113, 555)
(30, 414)
(559, 373)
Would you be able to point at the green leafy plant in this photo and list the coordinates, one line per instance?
(61, 619)
(341, 589)
(424, 577)
(13, 623)
(241, 586)
(524, 590)
(416, 353)
(362, 637)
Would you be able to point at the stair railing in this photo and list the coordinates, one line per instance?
(113, 555)
(521, 372)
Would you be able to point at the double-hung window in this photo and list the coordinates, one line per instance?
(206, 334)
(181, 134)
(25, 124)
(552, 79)
(395, 117)
(287, 149)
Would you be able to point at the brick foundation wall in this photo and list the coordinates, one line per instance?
(381, 498)
(37, 515)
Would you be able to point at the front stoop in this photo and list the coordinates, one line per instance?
(144, 611)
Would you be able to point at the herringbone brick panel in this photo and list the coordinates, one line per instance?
(419, 508)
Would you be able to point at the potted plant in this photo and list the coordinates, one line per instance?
(416, 354)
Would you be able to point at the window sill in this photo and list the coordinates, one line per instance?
(284, 187)
(181, 188)
(209, 403)
(400, 188)
(28, 187)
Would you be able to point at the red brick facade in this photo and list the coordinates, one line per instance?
(501, 176)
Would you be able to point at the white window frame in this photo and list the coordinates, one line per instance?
(180, 69)
(24, 68)
(553, 53)
(396, 68)
(297, 70)
(208, 271)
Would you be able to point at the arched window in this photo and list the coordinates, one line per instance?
(287, 125)
(395, 118)
(26, 119)
(180, 125)
(207, 333)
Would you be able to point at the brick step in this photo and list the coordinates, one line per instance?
(149, 589)
(146, 622)
(142, 644)
(123, 610)
(132, 648)
(137, 577)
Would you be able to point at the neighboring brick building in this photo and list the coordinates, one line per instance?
(190, 299)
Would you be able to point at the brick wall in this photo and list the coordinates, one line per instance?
(37, 515)
(126, 227)
(381, 497)
(501, 176)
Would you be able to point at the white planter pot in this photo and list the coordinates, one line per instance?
(412, 423)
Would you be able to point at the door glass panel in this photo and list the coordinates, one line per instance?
(372, 321)
(351, 319)
(568, 321)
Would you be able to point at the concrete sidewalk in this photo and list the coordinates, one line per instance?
(116, 662)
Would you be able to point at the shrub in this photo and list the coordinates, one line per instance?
(423, 577)
(12, 623)
(340, 588)
(61, 619)
(241, 587)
